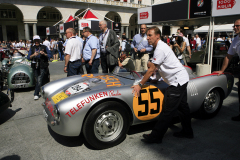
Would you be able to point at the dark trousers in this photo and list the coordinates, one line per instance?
(92, 68)
(105, 66)
(73, 68)
(61, 54)
(239, 92)
(39, 75)
(175, 101)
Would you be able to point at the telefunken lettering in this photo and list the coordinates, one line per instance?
(91, 98)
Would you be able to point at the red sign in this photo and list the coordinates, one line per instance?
(225, 4)
(61, 28)
(47, 30)
(144, 15)
(84, 24)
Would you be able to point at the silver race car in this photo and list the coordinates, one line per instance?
(102, 105)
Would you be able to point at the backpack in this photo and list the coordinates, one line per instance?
(60, 45)
(127, 47)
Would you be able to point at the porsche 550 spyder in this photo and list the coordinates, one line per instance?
(102, 106)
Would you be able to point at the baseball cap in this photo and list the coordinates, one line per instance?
(36, 37)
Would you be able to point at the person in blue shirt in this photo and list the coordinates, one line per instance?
(39, 54)
(141, 49)
(91, 51)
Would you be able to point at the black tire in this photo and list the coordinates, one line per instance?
(211, 105)
(110, 117)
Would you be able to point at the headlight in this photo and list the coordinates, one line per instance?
(56, 113)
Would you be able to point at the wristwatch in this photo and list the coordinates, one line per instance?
(140, 84)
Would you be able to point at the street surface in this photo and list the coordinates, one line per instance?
(24, 135)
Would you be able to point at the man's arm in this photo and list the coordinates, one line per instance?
(226, 61)
(67, 57)
(150, 71)
(189, 51)
(115, 46)
(94, 51)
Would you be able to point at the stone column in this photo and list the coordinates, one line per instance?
(122, 30)
(4, 31)
(127, 32)
(27, 37)
(34, 29)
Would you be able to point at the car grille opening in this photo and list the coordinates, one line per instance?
(20, 78)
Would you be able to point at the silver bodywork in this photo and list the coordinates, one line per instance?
(66, 116)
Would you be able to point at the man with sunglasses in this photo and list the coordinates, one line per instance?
(234, 49)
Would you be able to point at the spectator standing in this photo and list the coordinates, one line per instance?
(60, 49)
(179, 48)
(54, 50)
(73, 52)
(198, 42)
(175, 99)
(141, 49)
(91, 51)
(185, 39)
(39, 54)
(234, 49)
(47, 43)
(109, 48)
(193, 44)
(21, 43)
(3, 44)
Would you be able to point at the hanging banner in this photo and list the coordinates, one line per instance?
(145, 15)
(75, 24)
(47, 31)
(84, 23)
(61, 28)
(225, 7)
(117, 26)
(199, 8)
(57, 28)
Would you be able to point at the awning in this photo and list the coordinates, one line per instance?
(217, 28)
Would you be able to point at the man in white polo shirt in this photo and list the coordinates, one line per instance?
(73, 53)
(175, 99)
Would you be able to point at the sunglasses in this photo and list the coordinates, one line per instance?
(235, 26)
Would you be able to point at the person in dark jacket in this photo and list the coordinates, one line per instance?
(39, 54)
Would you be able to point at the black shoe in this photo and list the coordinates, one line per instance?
(181, 134)
(237, 118)
(150, 139)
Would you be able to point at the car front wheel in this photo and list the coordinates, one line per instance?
(106, 125)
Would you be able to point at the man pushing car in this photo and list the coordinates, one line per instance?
(176, 76)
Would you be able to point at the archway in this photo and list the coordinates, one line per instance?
(11, 26)
(114, 16)
(47, 16)
(133, 25)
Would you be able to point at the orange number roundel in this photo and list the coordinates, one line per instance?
(149, 104)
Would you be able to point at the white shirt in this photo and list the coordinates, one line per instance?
(74, 49)
(220, 39)
(185, 39)
(21, 44)
(169, 67)
(235, 46)
(198, 41)
(103, 41)
(47, 43)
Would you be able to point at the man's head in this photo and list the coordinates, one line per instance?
(123, 37)
(180, 30)
(143, 29)
(87, 32)
(70, 32)
(153, 35)
(236, 26)
(192, 37)
(197, 36)
(123, 34)
(223, 38)
(46, 38)
(103, 25)
(36, 40)
(123, 56)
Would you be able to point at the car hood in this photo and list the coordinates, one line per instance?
(78, 84)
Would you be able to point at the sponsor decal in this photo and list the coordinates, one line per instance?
(77, 88)
(49, 106)
(144, 15)
(200, 3)
(225, 4)
(61, 27)
(116, 25)
(111, 81)
(91, 98)
(84, 24)
(149, 104)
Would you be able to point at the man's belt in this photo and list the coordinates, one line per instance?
(75, 61)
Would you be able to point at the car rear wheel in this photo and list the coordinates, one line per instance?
(211, 105)
(106, 125)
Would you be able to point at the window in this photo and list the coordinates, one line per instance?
(7, 13)
(116, 19)
(49, 15)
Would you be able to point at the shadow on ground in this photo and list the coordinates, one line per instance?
(8, 114)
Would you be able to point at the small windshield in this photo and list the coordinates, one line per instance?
(17, 55)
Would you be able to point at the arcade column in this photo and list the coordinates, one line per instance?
(26, 28)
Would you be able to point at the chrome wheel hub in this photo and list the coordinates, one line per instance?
(108, 125)
(211, 102)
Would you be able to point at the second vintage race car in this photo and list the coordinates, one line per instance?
(102, 105)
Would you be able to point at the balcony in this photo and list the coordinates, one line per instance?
(122, 3)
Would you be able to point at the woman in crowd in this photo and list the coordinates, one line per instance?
(179, 47)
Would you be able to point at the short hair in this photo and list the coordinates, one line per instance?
(87, 29)
(144, 25)
(181, 30)
(46, 38)
(72, 31)
(156, 30)
(123, 37)
(104, 22)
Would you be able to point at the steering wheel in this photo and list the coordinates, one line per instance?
(136, 74)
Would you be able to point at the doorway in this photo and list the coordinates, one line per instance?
(12, 33)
